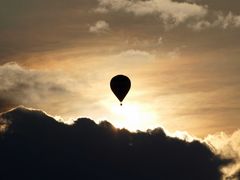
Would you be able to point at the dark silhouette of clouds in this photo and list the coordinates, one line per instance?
(36, 146)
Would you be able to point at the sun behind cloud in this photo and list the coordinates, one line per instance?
(133, 116)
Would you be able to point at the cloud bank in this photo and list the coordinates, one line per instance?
(36, 146)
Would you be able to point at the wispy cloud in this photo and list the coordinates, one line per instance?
(38, 89)
(169, 11)
(134, 55)
(21, 86)
(99, 27)
(229, 20)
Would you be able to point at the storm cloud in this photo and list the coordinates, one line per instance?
(35, 146)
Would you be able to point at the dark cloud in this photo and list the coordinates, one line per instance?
(36, 146)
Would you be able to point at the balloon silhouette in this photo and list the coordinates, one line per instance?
(120, 86)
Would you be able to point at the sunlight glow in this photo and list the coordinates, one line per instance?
(133, 117)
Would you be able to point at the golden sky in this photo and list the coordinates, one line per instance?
(182, 57)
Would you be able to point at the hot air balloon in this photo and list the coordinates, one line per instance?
(120, 86)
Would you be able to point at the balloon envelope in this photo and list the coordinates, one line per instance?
(120, 86)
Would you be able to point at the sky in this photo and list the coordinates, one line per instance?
(182, 58)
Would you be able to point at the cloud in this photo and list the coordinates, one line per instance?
(235, 176)
(170, 11)
(36, 145)
(200, 25)
(135, 55)
(160, 41)
(23, 86)
(99, 27)
(227, 146)
(129, 58)
(175, 53)
(229, 20)
(174, 12)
